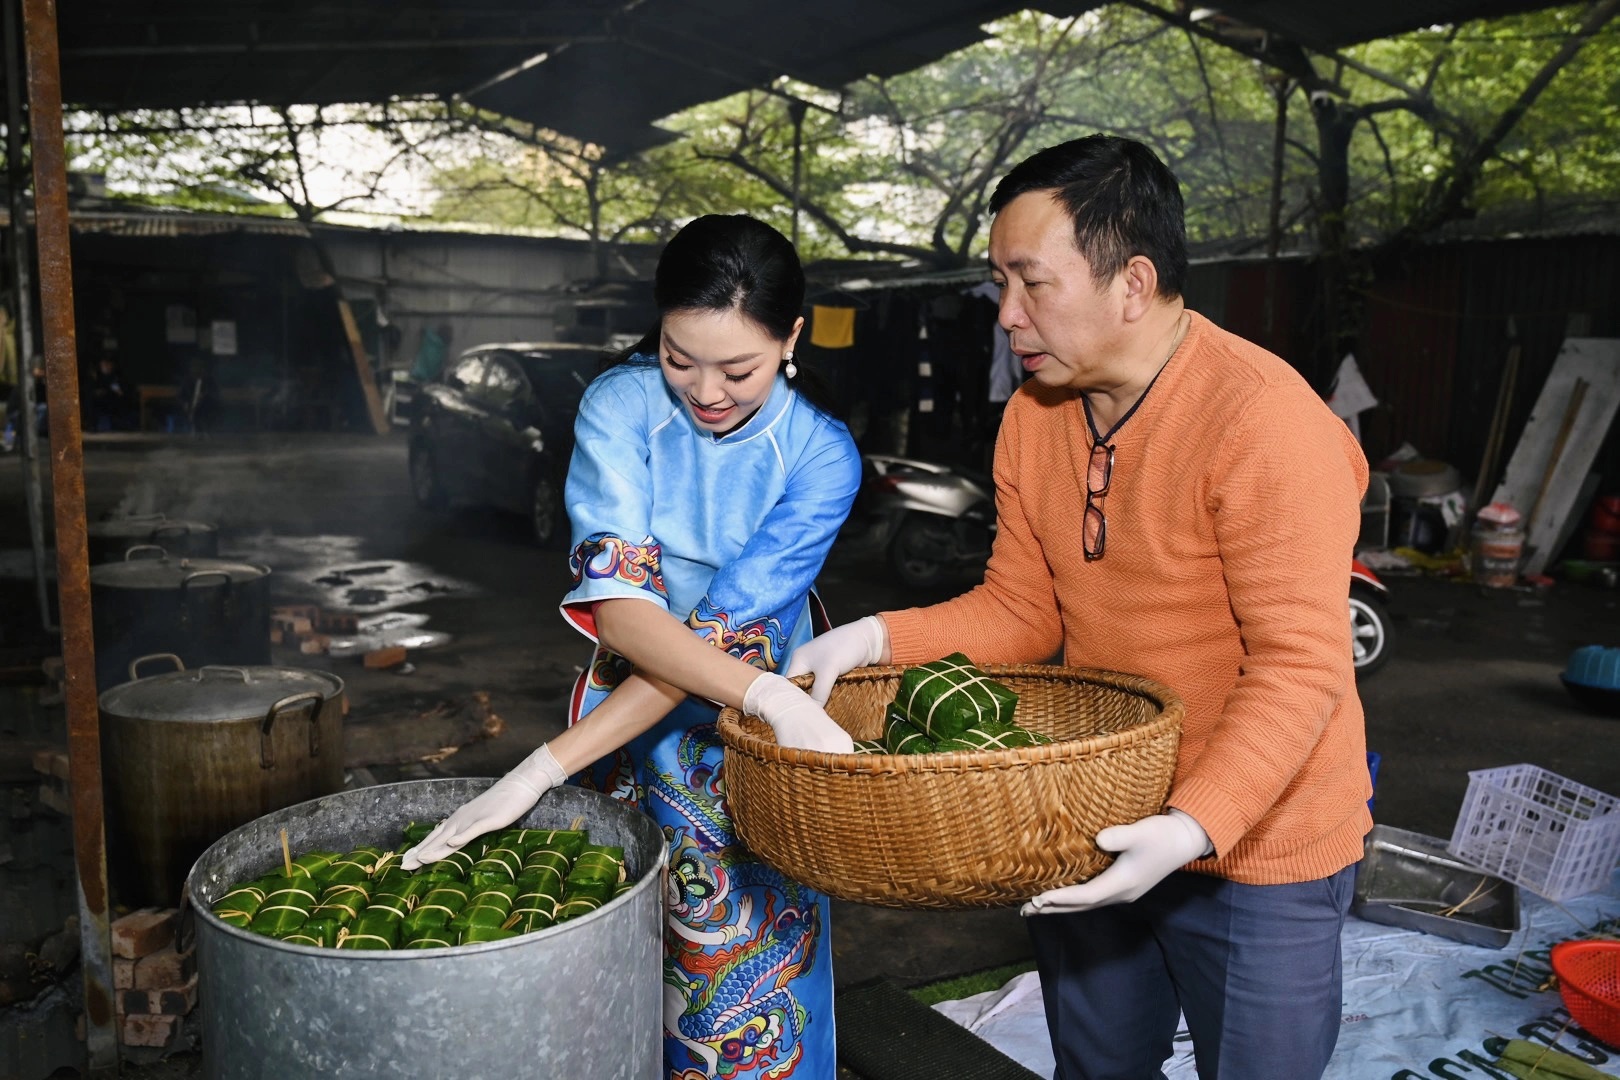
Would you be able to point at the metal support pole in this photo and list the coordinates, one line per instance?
(72, 553)
(1279, 142)
(23, 313)
(796, 110)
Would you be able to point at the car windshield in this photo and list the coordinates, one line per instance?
(559, 376)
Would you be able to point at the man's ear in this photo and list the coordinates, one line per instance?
(1141, 280)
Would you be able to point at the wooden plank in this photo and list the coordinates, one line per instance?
(362, 368)
(1595, 361)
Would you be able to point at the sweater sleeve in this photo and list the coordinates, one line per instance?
(1012, 618)
(1284, 493)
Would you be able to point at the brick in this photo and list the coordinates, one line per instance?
(179, 1000)
(313, 644)
(338, 622)
(143, 932)
(123, 973)
(137, 1002)
(275, 635)
(392, 656)
(54, 797)
(164, 969)
(51, 762)
(149, 1030)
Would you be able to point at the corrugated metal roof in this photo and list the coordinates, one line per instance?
(601, 70)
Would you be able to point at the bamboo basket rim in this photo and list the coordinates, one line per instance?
(1171, 712)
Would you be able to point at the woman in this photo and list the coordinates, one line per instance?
(705, 491)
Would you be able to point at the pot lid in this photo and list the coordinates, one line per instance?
(141, 525)
(171, 573)
(208, 694)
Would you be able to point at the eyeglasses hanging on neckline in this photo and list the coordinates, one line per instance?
(1099, 471)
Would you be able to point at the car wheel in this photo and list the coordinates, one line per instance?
(921, 551)
(1372, 635)
(425, 483)
(546, 514)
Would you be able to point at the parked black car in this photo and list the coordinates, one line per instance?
(496, 428)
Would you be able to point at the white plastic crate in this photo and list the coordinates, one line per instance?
(1536, 829)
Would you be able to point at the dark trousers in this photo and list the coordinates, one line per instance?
(1255, 968)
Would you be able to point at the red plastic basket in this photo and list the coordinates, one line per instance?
(1589, 980)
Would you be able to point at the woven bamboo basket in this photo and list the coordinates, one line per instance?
(957, 830)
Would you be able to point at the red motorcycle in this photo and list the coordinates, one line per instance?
(1372, 636)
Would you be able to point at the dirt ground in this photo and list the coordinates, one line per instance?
(1473, 683)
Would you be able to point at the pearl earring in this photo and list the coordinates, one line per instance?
(792, 369)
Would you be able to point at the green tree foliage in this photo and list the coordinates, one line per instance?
(1503, 118)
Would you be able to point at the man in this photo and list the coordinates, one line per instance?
(1177, 503)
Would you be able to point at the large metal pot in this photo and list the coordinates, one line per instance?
(191, 755)
(205, 611)
(111, 538)
(582, 999)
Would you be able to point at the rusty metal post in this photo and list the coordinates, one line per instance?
(72, 552)
(22, 322)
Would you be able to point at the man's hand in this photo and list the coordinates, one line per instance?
(508, 799)
(861, 643)
(1149, 850)
(796, 720)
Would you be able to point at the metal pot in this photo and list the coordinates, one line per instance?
(194, 754)
(205, 611)
(110, 539)
(581, 999)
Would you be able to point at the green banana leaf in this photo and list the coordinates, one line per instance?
(343, 902)
(314, 863)
(567, 841)
(475, 934)
(430, 938)
(417, 831)
(577, 905)
(901, 736)
(945, 698)
(546, 861)
(623, 887)
(504, 860)
(286, 905)
(487, 908)
(975, 739)
(870, 746)
(598, 863)
(447, 898)
(435, 918)
(239, 919)
(316, 933)
(242, 900)
(457, 864)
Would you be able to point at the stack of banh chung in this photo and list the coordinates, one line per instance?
(950, 705)
(507, 883)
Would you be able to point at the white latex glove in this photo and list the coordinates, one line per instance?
(843, 648)
(797, 720)
(1149, 850)
(508, 799)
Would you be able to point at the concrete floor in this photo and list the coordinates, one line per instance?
(1473, 683)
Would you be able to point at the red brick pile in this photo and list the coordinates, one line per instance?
(154, 983)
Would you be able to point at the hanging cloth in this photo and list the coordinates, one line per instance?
(832, 327)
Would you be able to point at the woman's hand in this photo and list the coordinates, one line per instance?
(861, 643)
(796, 719)
(508, 799)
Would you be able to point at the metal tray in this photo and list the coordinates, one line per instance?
(1409, 880)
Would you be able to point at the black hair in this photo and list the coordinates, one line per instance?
(1122, 199)
(721, 262)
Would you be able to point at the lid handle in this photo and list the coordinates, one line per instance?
(186, 581)
(267, 753)
(179, 664)
(162, 552)
(240, 672)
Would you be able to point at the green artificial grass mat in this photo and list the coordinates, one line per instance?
(977, 982)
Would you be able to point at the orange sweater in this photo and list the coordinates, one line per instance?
(1232, 517)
